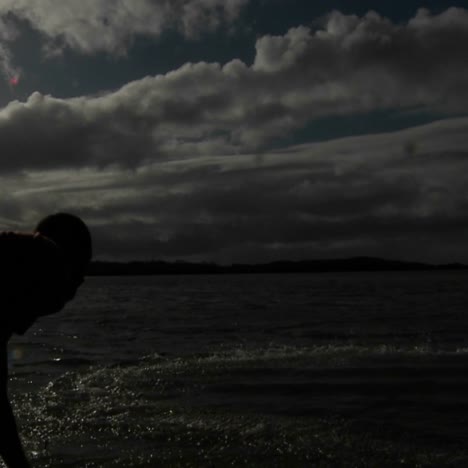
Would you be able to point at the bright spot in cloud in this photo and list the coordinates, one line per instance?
(14, 80)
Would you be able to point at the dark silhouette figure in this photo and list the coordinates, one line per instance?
(39, 273)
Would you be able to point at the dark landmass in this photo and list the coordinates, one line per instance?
(305, 266)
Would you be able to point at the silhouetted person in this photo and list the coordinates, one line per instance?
(39, 273)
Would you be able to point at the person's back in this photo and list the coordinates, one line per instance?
(39, 273)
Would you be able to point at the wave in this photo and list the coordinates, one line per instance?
(268, 403)
(277, 354)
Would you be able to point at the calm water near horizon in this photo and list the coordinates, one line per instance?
(337, 369)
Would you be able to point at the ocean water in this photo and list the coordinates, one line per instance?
(329, 370)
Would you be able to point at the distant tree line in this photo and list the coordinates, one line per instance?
(100, 268)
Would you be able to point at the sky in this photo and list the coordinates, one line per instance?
(239, 130)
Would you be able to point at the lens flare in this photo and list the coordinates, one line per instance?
(17, 354)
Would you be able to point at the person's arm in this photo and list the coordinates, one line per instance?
(11, 449)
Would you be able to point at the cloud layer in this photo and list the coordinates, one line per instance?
(351, 65)
(182, 165)
(398, 194)
(107, 26)
(91, 26)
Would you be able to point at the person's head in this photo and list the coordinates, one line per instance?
(72, 236)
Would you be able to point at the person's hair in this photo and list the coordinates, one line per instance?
(71, 234)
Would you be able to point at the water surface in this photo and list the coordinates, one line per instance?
(251, 370)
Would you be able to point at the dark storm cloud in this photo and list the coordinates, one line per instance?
(180, 166)
(46, 133)
(350, 65)
(374, 194)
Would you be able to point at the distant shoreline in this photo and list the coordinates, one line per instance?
(100, 268)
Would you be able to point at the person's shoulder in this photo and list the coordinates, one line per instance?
(14, 236)
(21, 240)
(15, 246)
(25, 254)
